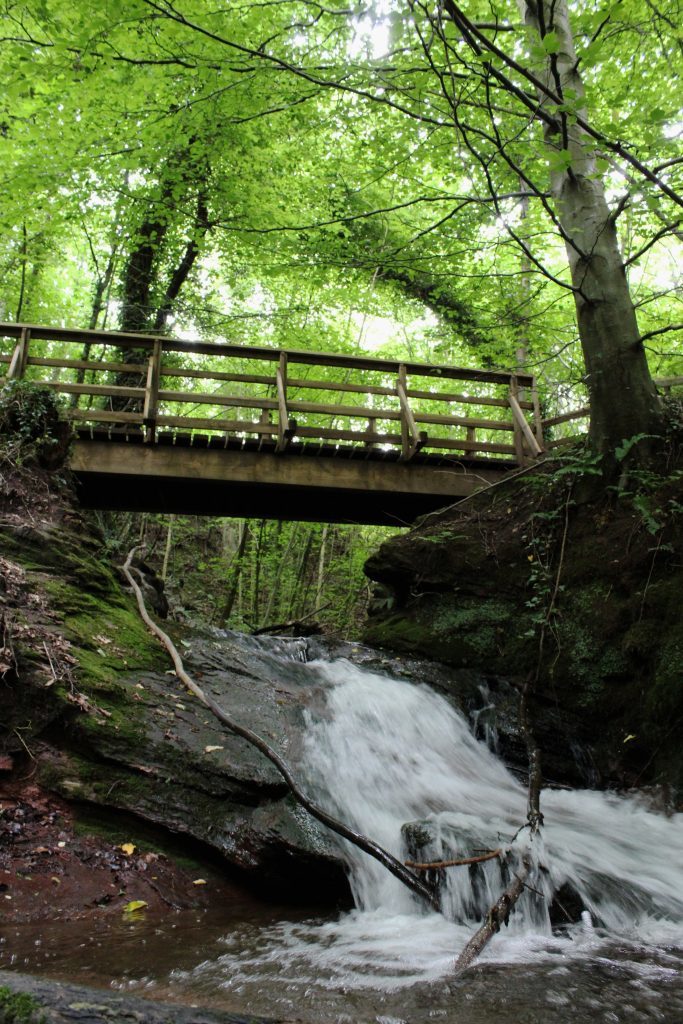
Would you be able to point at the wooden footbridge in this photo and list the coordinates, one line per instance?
(232, 430)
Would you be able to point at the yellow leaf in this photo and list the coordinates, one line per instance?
(134, 905)
(210, 750)
(128, 848)
(631, 736)
(199, 881)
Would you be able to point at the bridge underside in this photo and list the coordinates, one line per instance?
(317, 483)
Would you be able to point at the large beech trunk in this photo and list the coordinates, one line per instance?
(623, 399)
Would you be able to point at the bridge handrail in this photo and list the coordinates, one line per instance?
(124, 340)
(151, 395)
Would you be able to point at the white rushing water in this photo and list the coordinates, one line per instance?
(382, 753)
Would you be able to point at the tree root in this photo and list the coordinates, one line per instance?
(356, 838)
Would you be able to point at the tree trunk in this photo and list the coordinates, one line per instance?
(236, 575)
(623, 398)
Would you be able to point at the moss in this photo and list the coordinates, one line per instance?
(19, 1008)
(665, 698)
(465, 632)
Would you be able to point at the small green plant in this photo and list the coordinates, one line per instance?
(32, 430)
(19, 1008)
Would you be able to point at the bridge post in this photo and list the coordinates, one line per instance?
(286, 427)
(151, 406)
(412, 439)
(372, 430)
(17, 366)
(538, 418)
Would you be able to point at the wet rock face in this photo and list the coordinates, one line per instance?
(472, 587)
(157, 752)
(86, 692)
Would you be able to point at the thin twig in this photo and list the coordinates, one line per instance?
(436, 864)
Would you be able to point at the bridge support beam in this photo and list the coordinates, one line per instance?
(295, 485)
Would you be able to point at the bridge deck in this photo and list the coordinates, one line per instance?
(205, 476)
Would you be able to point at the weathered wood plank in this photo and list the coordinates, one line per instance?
(461, 421)
(361, 412)
(356, 436)
(461, 399)
(84, 364)
(238, 378)
(457, 444)
(328, 385)
(151, 407)
(526, 430)
(565, 417)
(224, 426)
(206, 398)
(104, 416)
(95, 390)
(17, 364)
(285, 428)
(518, 435)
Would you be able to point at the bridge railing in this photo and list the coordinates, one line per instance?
(282, 397)
(579, 417)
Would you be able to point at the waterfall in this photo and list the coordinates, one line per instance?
(397, 762)
(386, 753)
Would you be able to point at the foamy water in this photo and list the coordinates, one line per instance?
(382, 753)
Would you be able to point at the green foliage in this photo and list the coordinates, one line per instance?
(31, 428)
(347, 219)
(19, 1008)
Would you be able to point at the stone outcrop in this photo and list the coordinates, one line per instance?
(527, 580)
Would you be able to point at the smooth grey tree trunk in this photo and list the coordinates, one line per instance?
(623, 399)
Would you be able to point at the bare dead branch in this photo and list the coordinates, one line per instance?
(498, 915)
(437, 864)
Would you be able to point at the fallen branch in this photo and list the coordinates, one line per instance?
(498, 915)
(280, 627)
(362, 842)
(436, 864)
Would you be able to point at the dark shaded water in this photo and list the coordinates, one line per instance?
(248, 958)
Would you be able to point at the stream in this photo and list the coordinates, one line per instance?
(383, 754)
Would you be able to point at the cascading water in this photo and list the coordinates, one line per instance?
(384, 754)
(394, 760)
(388, 752)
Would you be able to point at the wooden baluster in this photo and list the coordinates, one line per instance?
(518, 437)
(17, 366)
(265, 420)
(286, 427)
(151, 406)
(538, 418)
(412, 439)
(372, 425)
(471, 437)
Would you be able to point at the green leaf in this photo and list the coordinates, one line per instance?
(551, 42)
(560, 160)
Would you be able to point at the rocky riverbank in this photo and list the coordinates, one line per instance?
(28, 1000)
